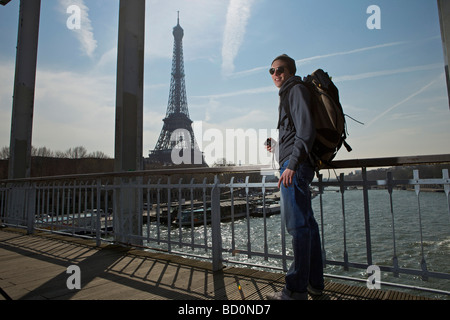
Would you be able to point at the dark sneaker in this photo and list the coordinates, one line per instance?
(313, 291)
(286, 294)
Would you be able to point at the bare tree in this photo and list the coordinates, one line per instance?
(4, 153)
(98, 155)
(41, 152)
(71, 153)
(77, 152)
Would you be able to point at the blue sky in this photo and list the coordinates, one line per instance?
(392, 78)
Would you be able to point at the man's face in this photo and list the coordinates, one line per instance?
(280, 73)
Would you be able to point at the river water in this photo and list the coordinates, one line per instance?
(419, 234)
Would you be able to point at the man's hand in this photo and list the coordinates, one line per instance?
(286, 178)
(271, 146)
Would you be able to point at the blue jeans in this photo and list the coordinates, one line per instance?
(298, 215)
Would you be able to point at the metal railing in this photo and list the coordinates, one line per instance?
(230, 215)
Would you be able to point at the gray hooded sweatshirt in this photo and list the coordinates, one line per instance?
(296, 141)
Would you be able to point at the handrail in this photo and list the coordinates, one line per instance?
(140, 173)
(337, 164)
(391, 161)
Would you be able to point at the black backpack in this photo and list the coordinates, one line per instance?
(328, 117)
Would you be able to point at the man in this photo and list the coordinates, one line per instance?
(296, 138)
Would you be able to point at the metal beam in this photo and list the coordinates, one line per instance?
(24, 87)
(130, 86)
(444, 19)
(129, 118)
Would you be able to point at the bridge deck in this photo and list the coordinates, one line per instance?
(34, 267)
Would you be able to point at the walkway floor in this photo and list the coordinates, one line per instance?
(34, 267)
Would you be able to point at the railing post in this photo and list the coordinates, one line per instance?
(367, 216)
(215, 227)
(266, 247)
(31, 207)
(446, 187)
(423, 263)
(249, 243)
(390, 189)
(20, 205)
(321, 188)
(169, 216)
(128, 210)
(344, 231)
(98, 229)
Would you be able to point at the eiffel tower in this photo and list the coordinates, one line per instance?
(176, 143)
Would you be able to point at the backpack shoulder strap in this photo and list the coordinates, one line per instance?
(284, 102)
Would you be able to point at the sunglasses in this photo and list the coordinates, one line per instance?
(276, 70)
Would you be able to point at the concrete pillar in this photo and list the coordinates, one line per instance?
(444, 18)
(129, 116)
(24, 86)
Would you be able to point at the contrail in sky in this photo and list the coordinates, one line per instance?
(337, 79)
(404, 100)
(84, 34)
(334, 54)
(237, 17)
(383, 73)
